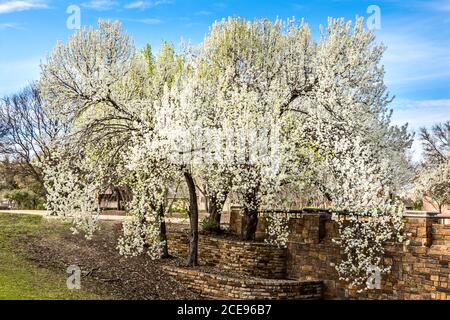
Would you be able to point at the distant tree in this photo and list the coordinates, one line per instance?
(8, 175)
(25, 199)
(433, 177)
(436, 142)
(26, 132)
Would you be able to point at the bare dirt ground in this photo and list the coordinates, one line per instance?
(104, 271)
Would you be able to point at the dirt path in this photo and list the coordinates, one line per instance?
(104, 271)
(103, 217)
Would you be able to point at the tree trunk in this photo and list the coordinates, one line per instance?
(249, 224)
(192, 259)
(163, 233)
(207, 201)
(215, 211)
(146, 245)
(119, 203)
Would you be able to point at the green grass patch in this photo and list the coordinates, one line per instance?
(19, 278)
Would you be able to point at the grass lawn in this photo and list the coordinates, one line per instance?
(21, 279)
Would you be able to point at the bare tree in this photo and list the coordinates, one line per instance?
(433, 177)
(26, 131)
(436, 142)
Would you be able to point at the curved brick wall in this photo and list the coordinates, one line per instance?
(247, 258)
(420, 270)
(214, 286)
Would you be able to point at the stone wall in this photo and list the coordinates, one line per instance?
(247, 258)
(420, 270)
(236, 220)
(214, 286)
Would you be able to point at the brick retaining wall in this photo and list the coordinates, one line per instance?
(213, 286)
(420, 270)
(248, 258)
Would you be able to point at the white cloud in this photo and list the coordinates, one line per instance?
(433, 5)
(203, 13)
(20, 73)
(23, 5)
(6, 26)
(442, 6)
(136, 5)
(146, 4)
(147, 21)
(416, 151)
(220, 5)
(412, 57)
(421, 113)
(101, 5)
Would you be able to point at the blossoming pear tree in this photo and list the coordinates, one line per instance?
(361, 153)
(251, 72)
(99, 83)
(259, 105)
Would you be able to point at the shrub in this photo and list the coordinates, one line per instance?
(25, 199)
(209, 225)
(179, 206)
(417, 205)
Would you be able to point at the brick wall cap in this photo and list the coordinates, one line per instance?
(248, 280)
(232, 241)
(420, 214)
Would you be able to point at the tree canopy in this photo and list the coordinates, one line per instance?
(257, 106)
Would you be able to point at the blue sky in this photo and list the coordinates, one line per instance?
(416, 33)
